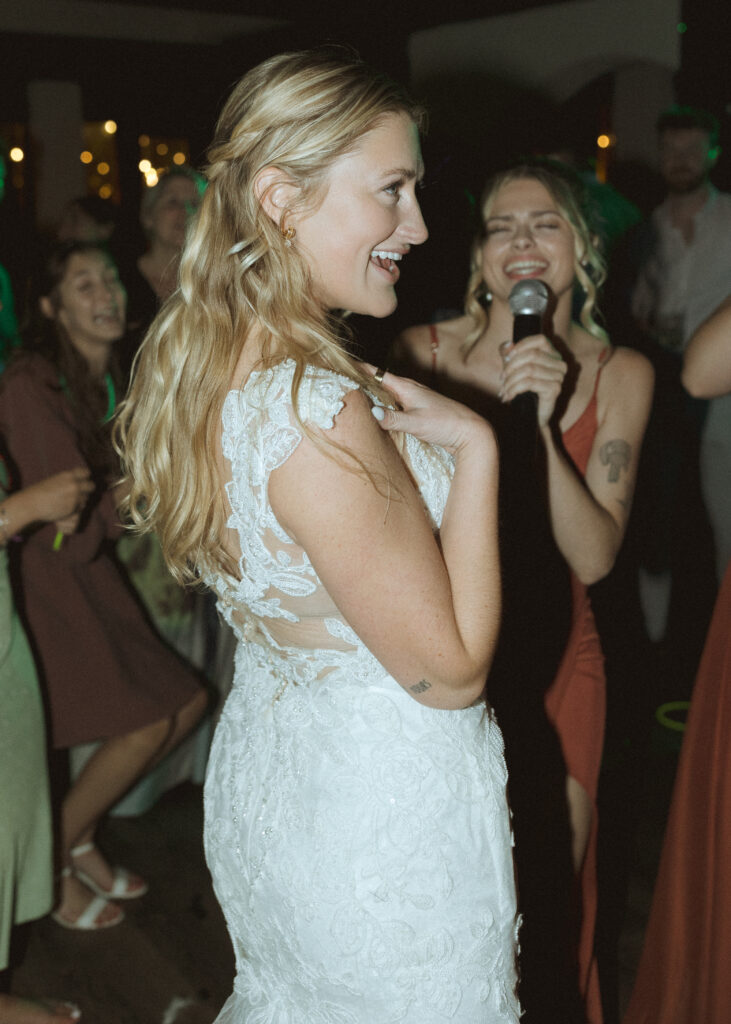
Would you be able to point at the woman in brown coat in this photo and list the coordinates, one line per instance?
(108, 676)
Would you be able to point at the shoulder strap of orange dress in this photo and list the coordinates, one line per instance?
(434, 346)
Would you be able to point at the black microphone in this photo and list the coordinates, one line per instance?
(528, 300)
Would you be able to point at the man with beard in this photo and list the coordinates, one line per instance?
(685, 276)
(688, 271)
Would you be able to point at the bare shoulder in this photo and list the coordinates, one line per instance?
(354, 433)
(354, 426)
(412, 345)
(628, 369)
(416, 344)
(625, 389)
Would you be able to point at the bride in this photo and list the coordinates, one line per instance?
(357, 828)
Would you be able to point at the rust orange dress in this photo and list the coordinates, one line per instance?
(684, 976)
(576, 707)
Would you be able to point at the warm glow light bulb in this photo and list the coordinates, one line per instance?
(161, 148)
(179, 158)
(603, 141)
(86, 157)
(105, 191)
(103, 167)
(110, 127)
(144, 140)
(16, 154)
(151, 178)
(145, 166)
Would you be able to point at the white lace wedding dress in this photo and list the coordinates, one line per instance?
(359, 842)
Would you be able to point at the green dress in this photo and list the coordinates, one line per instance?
(26, 878)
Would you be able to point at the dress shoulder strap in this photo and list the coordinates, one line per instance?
(603, 359)
(434, 346)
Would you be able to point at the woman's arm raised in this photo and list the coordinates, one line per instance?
(707, 359)
(427, 609)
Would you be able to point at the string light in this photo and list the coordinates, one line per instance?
(16, 154)
(144, 140)
(105, 191)
(603, 141)
(161, 148)
(103, 167)
(179, 158)
(86, 157)
(110, 127)
(145, 166)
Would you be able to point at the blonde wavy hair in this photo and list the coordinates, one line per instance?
(567, 192)
(297, 112)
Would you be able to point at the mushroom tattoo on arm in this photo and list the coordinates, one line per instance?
(615, 454)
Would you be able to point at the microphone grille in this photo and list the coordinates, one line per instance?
(529, 296)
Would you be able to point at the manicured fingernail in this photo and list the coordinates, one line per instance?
(378, 412)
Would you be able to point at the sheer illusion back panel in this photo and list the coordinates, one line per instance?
(277, 584)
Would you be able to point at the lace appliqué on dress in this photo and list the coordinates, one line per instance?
(359, 842)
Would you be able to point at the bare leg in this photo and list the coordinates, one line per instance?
(115, 766)
(581, 813)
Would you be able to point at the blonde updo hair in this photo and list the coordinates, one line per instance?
(567, 191)
(297, 112)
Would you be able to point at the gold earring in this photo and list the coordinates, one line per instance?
(288, 234)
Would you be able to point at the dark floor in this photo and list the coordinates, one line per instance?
(170, 960)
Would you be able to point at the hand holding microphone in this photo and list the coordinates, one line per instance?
(533, 372)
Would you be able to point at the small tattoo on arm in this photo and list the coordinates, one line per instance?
(420, 686)
(615, 454)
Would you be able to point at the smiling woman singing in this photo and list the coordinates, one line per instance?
(568, 471)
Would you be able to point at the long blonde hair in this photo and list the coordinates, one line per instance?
(567, 191)
(298, 112)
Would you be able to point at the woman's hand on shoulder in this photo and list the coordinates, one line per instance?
(533, 365)
(433, 418)
(370, 541)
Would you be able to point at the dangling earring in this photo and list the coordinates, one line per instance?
(288, 234)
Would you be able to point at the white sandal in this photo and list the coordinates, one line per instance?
(120, 889)
(87, 919)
